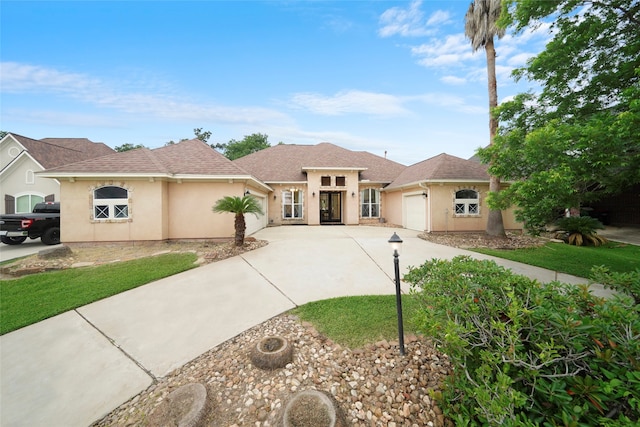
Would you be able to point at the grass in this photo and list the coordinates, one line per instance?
(36, 297)
(575, 260)
(359, 320)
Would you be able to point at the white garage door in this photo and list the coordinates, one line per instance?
(414, 212)
(254, 224)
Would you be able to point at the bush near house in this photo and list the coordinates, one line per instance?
(526, 353)
(580, 230)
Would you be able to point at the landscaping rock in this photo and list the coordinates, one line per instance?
(59, 251)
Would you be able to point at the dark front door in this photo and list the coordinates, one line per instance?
(330, 207)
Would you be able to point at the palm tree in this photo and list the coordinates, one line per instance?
(239, 206)
(480, 27)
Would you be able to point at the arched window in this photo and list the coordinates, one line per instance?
(110, 202)
(370, 203)
(26, 202)
(467, 202)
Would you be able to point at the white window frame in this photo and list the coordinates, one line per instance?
(466, 206)
(32, 203)
(110, 209)
(369, 204)
(296, 206)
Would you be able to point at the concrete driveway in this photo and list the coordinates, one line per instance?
(74, 368)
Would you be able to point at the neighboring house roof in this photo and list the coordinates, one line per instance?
(289, 162)
(190, 158)
(53, 152)
(442, 167)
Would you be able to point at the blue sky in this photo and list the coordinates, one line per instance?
(378, 76)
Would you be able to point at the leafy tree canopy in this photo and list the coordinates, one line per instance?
(577, 139)
(127, 147)
(249, 144)
(198, 133)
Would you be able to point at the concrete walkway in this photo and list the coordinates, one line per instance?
(72, 369)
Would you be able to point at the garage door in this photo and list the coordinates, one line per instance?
(414, 212)
(254, 224)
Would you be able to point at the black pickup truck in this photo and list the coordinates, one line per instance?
(43, 222)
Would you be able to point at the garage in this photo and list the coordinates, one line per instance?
(254, 223)
(414, 212)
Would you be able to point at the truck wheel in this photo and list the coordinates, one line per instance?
(51, 236)
(13, 240)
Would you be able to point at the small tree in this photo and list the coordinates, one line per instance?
(239, 206)
(249, 144)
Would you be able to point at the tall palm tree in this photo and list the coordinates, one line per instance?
(239, 206)
(480, 27)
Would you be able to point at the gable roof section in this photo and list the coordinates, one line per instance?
(54, 152)
(185, 159)
(287, 162)
(441, 168)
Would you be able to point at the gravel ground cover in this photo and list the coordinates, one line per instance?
(374, 385)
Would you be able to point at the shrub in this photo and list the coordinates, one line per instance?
(580, 230)
(525, 353)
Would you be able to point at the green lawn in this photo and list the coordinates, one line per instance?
(575, 260)
(32, 298)
(359, 320)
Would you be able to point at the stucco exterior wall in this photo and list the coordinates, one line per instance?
(392, 208)
(440, 211)
(191, 213)
(275, 204)
(158, 210)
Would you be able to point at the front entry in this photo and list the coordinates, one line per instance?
(330, 207)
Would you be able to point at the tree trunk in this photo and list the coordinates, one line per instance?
(495, 224)
(241, 227)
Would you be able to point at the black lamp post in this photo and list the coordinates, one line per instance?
(396, 243)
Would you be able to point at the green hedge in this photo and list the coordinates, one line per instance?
(528, 354)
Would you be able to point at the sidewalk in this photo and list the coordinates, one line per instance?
(74, 368)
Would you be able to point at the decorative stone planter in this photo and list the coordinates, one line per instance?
(271, 352)
(311, 408)
(184, 407)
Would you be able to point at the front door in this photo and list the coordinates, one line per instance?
(330, 207)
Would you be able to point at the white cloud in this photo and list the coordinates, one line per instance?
(410, 22)
(453, 50)
(378, 104)
(453, 80)
(23, 78)
(439, 17)
(352, 101)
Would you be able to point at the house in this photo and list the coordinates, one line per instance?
(168, 193)
(161, 194)
(21, 158)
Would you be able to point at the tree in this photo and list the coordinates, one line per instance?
(202, 135)
(576, 140)
(481, 27)
(249, 144)
(199, 134)
(128, 147)
(239, 206)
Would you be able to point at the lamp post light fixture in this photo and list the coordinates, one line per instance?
(396, 243)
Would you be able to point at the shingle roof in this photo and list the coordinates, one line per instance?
(54, 152)
(191, 157)
(442, 167)
(285, 162)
